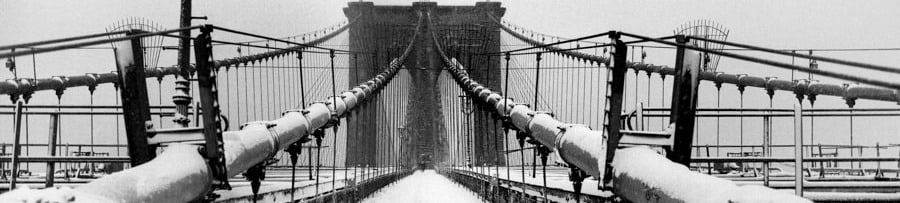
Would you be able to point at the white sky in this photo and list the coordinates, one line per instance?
(769, 23)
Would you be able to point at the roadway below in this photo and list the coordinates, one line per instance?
(308, 184)
(424, 186)
(834, 189)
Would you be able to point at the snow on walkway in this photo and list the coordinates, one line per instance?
(424, 186)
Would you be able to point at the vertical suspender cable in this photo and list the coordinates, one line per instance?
(118, 142)
(284, 72)
(487, 117)
(265, 88)
(303, 106)
(335, 127)
(767, 140)
(116, 87)
(718, 118)
(448, 122)
(647, 118)
(521, 140)
(59, 139)
(851, 137)
(561, 72)
(277, 84)
(636, 79)
(267, 81)
(460, 129)
(741, 89)
(159, 101)
(253, 87)
(91, 90)
(237, 80)
(451, 124)
(298, 148)
(585, 79)
(392, 130)
(591, 91)
(470, 141)
(318, 150)
(506, 116)
(347, 147)
(572, 84)
(28, 118)
(662, 99)
(228, 95)
(537, 80)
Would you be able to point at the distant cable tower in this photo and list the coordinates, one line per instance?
(152, 44)
(709, 30)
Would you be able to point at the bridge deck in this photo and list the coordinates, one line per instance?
(277, 185)
(829, 189)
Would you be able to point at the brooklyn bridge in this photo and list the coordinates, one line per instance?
(433, 103)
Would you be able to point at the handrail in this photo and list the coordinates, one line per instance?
(789, 159)
(72, 159)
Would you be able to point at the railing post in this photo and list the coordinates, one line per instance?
(213, 149)
(135, 106)
(14, 173)
(66, 166)
(709, 165)
(2, 165)
(766, 150)
(684, 102)
(617, 88)
(537, 80)
(309, 153)
(878, 172)
(639, 119)
(294, 151)
(822, 163)
(51, 166)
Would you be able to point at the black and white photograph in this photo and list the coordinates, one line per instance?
(395, 101)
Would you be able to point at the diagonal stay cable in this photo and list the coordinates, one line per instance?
(876, 82)
(89, 43)
(279, 40)
(831, 60)
(52, 41)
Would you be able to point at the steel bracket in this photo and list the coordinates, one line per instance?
(533, 113)
(161, 137)
(663, 139)
(684, 102)
(213, 148)
(135, 104)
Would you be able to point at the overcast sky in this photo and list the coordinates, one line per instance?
(772, 23)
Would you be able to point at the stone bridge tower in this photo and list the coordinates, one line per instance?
(385, 30)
